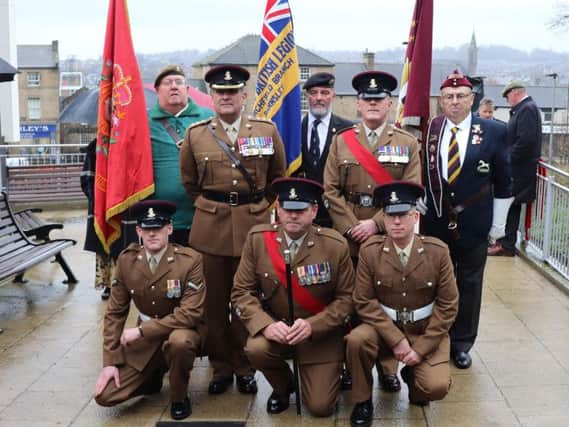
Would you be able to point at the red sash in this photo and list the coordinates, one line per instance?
(301, 296)
(366, 159)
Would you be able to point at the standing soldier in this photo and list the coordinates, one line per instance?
(322, 284)
(226, 164)
(406, 298)
(360, 158)
(166, 284)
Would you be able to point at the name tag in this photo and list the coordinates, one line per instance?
(174, 288)
(313, 274)
(393, 154)
(256, 146)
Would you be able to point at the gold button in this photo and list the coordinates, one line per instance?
(378, 282)
(153, 302)
(369, 186)
(233, 165)
(153, 287)
(234, 182)
(403, 279)
(404, 294)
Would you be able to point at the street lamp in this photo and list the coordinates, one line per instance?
(550, 152)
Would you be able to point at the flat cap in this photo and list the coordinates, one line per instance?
(227, 77)
(374, 84)
(514, 84)
(320, 80)
(167, 71)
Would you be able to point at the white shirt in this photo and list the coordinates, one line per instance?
(462, 138)
(322, 130)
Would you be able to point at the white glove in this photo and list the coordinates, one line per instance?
(422, 205)
(499, 217)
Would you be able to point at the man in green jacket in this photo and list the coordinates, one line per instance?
(169, 119)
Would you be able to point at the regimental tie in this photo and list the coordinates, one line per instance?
(453, 157)
(315, 143)
(293, 248)
(152, 264)
(403, 258)
(372, 138)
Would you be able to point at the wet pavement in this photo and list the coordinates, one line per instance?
(50, 356)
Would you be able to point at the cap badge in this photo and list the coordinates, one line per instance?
(227, 76)
(292, 194)
(372, 84)
(151, 213)
(394, 198)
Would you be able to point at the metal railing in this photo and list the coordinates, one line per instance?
(41, 154)
(548, 238)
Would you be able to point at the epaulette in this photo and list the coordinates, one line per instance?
(201, 122)
(377, 239)
(133, 247)
(183, 250)
(259, 119)
(330, 233)
(433, 241)
(402, 132)
(260, 228)
(339, 131)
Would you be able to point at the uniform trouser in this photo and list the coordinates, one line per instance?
(319, 382)
(363, 345)
(226, 335)
(512, 225)
(176, 355)
(469, 271)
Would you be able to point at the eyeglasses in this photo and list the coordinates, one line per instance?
(459, 96)
(172, 82)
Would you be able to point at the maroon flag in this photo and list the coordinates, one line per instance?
(414, 95)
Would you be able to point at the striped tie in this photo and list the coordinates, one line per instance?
(453, 157)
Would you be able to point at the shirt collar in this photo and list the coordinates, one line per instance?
(324, 120)
(298, 241)
(377, 131)
(406, 249)
(464, 125)
(158, 256)
(236, 124)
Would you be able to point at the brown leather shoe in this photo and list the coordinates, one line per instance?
(498, 250)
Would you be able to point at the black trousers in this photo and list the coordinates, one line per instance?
(512, 225)
(469, 271)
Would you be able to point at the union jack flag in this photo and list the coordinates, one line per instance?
(278, 78)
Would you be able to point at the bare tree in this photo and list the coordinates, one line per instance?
(560, 20)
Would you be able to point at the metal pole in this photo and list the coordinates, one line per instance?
(550, 152)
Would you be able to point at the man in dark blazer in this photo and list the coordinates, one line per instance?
(468, 193)
(524, 143)
(315, 144)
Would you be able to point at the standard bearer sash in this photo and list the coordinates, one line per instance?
(372, 166)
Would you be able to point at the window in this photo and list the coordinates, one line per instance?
(304, 73)
(304, 103)
(33, 79)
(34, 109)
(547, 116)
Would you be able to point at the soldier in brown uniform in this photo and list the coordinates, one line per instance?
(407, 299)
(322, 283)
(226, 163)
(360, 158)
(166, 284)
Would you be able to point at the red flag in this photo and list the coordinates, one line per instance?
(123, 173)
(414, 95)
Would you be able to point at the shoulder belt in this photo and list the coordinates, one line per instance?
(371, 165)
(432, 156)
(171, 131)
(301, 295)
(235, 160)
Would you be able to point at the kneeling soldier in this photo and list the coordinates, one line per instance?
(407, 299)
(166, 283)
(322, 284)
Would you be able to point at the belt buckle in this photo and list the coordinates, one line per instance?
(452, 225)
(405, 316)
(366, 201)
(233, 198)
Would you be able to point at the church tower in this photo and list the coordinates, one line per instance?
(472, 56)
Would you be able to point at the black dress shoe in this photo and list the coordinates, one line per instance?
(181, 410)
(462, 360)
(277, 403)
(106, 293)
(408, 376)
(219, 385)
(362, 414)
(390, 383)
(247, 384)
(345, 380)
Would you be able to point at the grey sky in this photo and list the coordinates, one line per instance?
(319, 24)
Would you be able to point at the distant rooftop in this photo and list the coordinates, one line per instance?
(38, 55)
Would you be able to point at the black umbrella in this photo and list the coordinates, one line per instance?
(6, 71)
(84, 108)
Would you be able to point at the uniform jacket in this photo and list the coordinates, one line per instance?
(427, 277)
(260, 299)
(218, 228)
(316, 173)
(165, 159)
(524, 141)
(149, 292)
(486, 162)
(344, 176)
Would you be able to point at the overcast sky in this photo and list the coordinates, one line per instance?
(159, 26)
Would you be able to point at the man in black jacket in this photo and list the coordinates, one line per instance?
(318, 127)
(524, 144)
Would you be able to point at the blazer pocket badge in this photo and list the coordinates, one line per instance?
(483, 167)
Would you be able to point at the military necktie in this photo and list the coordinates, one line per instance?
(453, 157)
(403, 258)
(152, 263)
(293, 248)
(315, 143)
(372, 138)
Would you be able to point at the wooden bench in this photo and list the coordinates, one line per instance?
(34, 226)
(18, 252)
(44, 183)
